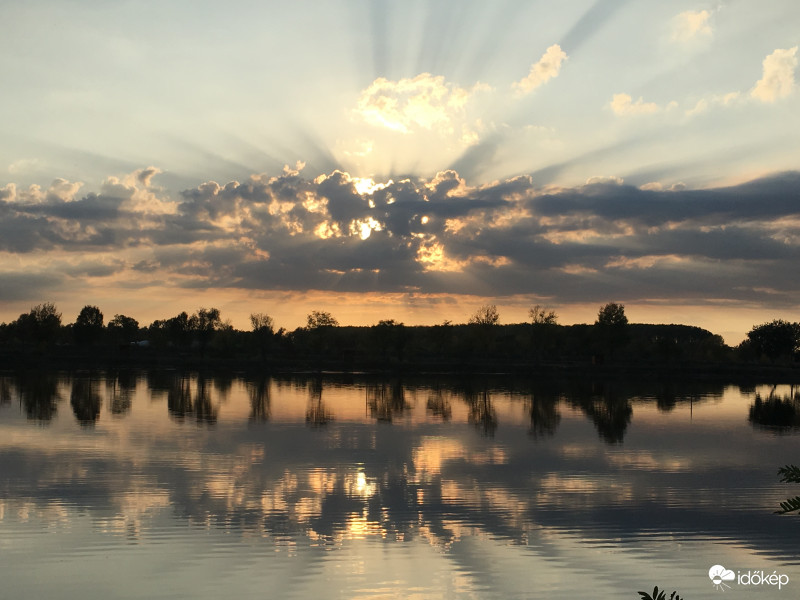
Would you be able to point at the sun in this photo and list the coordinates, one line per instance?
(366, 185)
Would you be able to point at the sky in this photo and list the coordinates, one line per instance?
(410, 161)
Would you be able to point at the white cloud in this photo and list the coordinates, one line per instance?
(690, 25)
(541, 72)
(777, 80)
(623, 105)
(425, 101)
(653, 186)
(705, 104)
(604, 180)
(23, 164)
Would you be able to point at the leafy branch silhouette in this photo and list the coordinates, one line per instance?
(659, 595)
(789, 474)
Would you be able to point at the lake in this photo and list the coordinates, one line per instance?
(163, 484)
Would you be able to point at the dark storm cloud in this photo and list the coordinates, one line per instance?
(290, 232)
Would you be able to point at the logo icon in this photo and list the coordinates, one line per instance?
(719, 575)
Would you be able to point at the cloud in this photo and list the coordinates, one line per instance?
(777, 80)
(543, 71)
(623, 105)
(705, 104)
(604, 180)
(422, 235)
(690, 25)
(24, 165)
(424, 102)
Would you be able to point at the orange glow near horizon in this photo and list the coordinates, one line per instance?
(289, 308)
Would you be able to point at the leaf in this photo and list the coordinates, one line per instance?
(791, 505)
(646, 596)
(789, 474)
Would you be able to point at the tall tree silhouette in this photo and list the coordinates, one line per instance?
(88, 326)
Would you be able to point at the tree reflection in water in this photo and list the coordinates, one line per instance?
(86, 400)
(38, 394)
(182, 403)
(776, 413)
(5, 391)
(260, 401)
(386, 401)
(482, 413)
(354, 479)
(179, 397)
(438, 405)
(610, 412)
(205, 410)
(120, 387)
(545, 416)
(317, 413)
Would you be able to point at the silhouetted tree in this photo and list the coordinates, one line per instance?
(612, 327)
(390, 336)
(484, 323)
(543, 328)
(178, 330)
(41, 324)
(485, 315)
(88, 326)
(204, 323)
(319, 318)
(541, 316)
(775, 339)
(263, 330)
(612, 315)
(123, 330)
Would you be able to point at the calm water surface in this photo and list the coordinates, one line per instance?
(175, 485)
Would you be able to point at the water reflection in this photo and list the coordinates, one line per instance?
(776, 413)
(481, 410)
(259, 394)
(317, 414)
(37, 392)
(120, 387)
(540, 469)
(386, 401)
(438, 404)
(545, 416)
(609, 410)
(187, 397)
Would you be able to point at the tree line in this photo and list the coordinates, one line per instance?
(323, 341)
